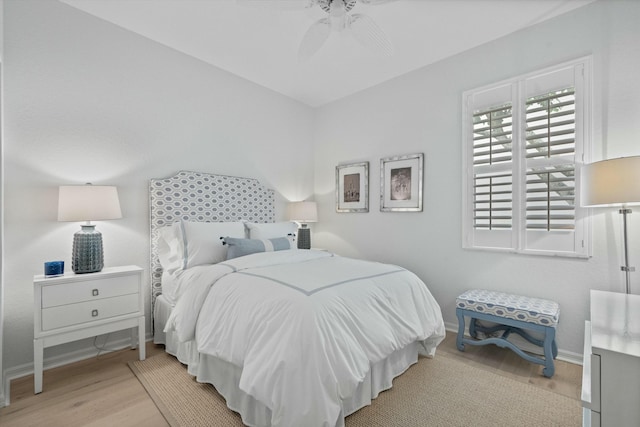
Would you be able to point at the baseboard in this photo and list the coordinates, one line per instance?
(564, 355)
(60, 360)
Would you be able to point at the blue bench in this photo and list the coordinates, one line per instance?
(512, 314)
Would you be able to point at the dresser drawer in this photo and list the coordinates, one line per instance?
(88, 311)
(94, 289)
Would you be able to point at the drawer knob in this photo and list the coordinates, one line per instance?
(94, 313)
(95, 292)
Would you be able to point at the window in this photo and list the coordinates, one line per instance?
(523, 140)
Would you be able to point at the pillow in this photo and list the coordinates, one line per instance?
(242, 247)
(202, 242)
(170, 248)
(271, 230)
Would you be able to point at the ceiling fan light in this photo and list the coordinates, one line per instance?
(326, 4)
(360, 26)
(338, 15)
(337, 9)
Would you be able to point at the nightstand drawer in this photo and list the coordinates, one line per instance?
(74, 292)
(89, 311)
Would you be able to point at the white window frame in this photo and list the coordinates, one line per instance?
(574, 243)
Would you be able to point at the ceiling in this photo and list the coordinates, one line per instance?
(260, 43)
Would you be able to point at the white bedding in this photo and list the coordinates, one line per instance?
(304, 326)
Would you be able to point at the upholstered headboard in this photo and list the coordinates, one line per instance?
(203, 197)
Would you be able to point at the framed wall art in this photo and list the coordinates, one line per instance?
(401, 183)
(352, 187)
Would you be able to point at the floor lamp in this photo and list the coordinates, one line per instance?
(614, 182)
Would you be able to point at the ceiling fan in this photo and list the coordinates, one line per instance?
(359, 25)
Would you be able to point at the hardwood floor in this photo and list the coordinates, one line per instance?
(103, 391)
(100, 391)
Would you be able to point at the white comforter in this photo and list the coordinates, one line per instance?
(304, 326)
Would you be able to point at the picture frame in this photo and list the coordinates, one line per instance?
(401, 183)
(352, 187)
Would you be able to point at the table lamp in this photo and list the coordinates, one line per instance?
(614, 182)
(88, 203)
(303, 213)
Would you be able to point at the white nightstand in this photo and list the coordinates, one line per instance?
(610, 380)
(76, 306)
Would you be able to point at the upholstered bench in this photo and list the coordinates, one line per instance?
(511, 313)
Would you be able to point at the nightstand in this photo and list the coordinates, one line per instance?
(76, 306)
(610, 380)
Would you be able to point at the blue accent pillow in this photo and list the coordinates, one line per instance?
(242, 247)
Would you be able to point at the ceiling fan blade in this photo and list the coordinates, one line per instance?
(314, 38)
(370, 35)
(278, 4)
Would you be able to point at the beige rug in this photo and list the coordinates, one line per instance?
(434, 392)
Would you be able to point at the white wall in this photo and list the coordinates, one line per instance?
(421, 112)
(88, 101)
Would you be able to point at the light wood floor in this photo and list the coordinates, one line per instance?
(103, 391)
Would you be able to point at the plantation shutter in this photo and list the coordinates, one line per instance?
(490, 167)
(550, 136)
(552, 126)
(522, 141)
(492, 145)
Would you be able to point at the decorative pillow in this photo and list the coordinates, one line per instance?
(170, 248)
(271, 230)
(202, 244)
(242, 247)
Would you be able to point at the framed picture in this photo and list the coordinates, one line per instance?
(401, 183)
(352, 187)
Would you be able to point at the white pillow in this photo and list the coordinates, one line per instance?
(271, 230)
(170, 249)
(202, 243)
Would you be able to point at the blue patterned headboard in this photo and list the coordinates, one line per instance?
(203, 197)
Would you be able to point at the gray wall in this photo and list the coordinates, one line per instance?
(421, 112)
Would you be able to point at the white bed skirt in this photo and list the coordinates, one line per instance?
(225, 377)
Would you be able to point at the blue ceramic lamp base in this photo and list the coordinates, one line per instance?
(87, 256)
(304, 237)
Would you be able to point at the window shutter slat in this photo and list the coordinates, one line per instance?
(550, 124)
(492, 135)
(493, 203)
(550, 198)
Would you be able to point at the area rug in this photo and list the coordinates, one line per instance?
(434, 392)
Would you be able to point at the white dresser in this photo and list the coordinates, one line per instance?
(76, 306)
(611, 371)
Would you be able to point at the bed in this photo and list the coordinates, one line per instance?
(288, 337)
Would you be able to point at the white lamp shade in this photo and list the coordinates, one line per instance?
(611, 182)
(303, 212)
(88, 203)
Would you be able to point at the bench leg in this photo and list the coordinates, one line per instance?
(548, 343)
(472, 328)
(460, 336)
(550, 348)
